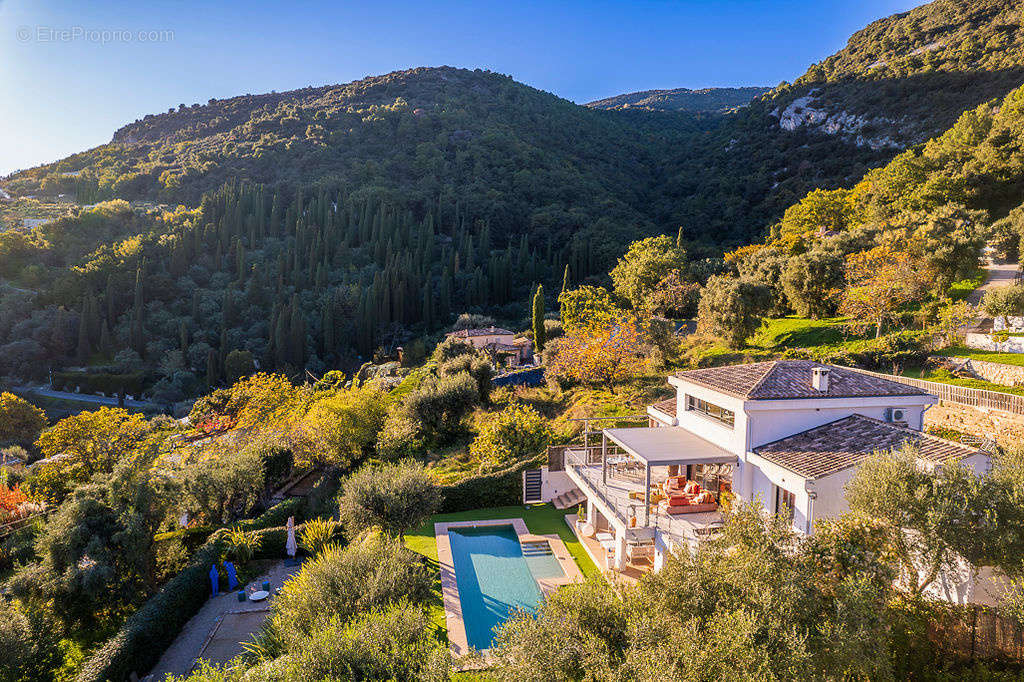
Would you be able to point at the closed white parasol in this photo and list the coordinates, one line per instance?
(290, 546)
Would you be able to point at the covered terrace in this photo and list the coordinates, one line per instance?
(626, 479)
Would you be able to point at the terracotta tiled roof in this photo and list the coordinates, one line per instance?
(841, 444)
(666, 406)
(486, 331)
(791, 379)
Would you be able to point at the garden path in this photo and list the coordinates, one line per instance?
(202, 629)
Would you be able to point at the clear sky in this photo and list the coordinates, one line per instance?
(73, 71)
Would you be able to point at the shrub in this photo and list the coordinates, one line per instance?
(29, 641)
(478, 368)
(440, 406)
(398, 439)
(452, 348)
(394, 497)
(393, 643)
(374, 571)
(516, 433)
(20, 420)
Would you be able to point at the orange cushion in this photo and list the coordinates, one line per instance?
(679, 500)
(705, 498)
(692, 487)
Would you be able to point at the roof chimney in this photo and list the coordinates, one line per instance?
(819, 379)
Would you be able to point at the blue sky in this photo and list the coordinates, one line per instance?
(65, 92)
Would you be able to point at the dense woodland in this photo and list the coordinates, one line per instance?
(315, 227)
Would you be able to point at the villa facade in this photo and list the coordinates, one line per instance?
(786, 435)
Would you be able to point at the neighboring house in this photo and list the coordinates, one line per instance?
(497, 342)
(787, 435)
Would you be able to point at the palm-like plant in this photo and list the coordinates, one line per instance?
(241, 545)
(317, 534)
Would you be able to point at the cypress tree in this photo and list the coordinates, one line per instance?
(183, 336)
(539, 337)
(106, 346)
(565, 279)
(84, 350)
(212, 368)
(328, 328)
(679, 238)
(297, 334)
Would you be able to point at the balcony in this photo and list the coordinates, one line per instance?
(618, 475)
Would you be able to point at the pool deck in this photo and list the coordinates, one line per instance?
(457, 639)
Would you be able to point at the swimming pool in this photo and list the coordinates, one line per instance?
(494, 579)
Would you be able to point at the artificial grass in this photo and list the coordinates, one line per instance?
(986, 356)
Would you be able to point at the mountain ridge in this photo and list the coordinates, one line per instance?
(701, 100)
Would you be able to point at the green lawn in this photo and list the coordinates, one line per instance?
(986, 356)
(542, 519)
(799, 332)
(958, 291)
(944, 377)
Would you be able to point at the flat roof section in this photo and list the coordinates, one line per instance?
(668, 445)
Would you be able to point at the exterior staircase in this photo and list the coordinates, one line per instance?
(533, 486)
(569, 499)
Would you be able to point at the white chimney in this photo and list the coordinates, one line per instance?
(819, 379)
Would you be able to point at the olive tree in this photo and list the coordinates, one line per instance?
(394, 497)
(731, 308)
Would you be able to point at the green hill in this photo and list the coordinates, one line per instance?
(319, 223)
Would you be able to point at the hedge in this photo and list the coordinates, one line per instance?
(144, 637)
(498, 489)
(105, 383)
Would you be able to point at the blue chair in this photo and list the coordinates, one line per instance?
(232, 576)
(214, 580)
(266, 586)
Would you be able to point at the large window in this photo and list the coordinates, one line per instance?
(785, 503)
(711, 410)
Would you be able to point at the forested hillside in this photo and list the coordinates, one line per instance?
(311, 227)
(908, 77)
(704, 100)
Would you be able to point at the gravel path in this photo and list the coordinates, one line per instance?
(182, 654)
(999, 275)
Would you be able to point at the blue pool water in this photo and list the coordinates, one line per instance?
(494, 578)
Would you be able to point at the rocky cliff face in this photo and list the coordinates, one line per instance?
(863, 131)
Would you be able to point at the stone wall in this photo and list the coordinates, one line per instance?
(1013, 344)
(1003, 427)
(996, 372)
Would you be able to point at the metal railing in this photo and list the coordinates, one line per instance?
(961, 395)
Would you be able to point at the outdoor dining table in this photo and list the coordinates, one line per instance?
(259, 595)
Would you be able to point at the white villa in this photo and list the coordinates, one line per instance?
(786, 434)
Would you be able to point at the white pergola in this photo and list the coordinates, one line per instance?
(661, 446)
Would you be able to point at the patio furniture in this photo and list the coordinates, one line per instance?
(259, 595)
(241, 595)
(266, 586)
(604, 536)
(690, 508)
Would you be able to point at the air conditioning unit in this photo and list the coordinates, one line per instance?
(895, 414)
